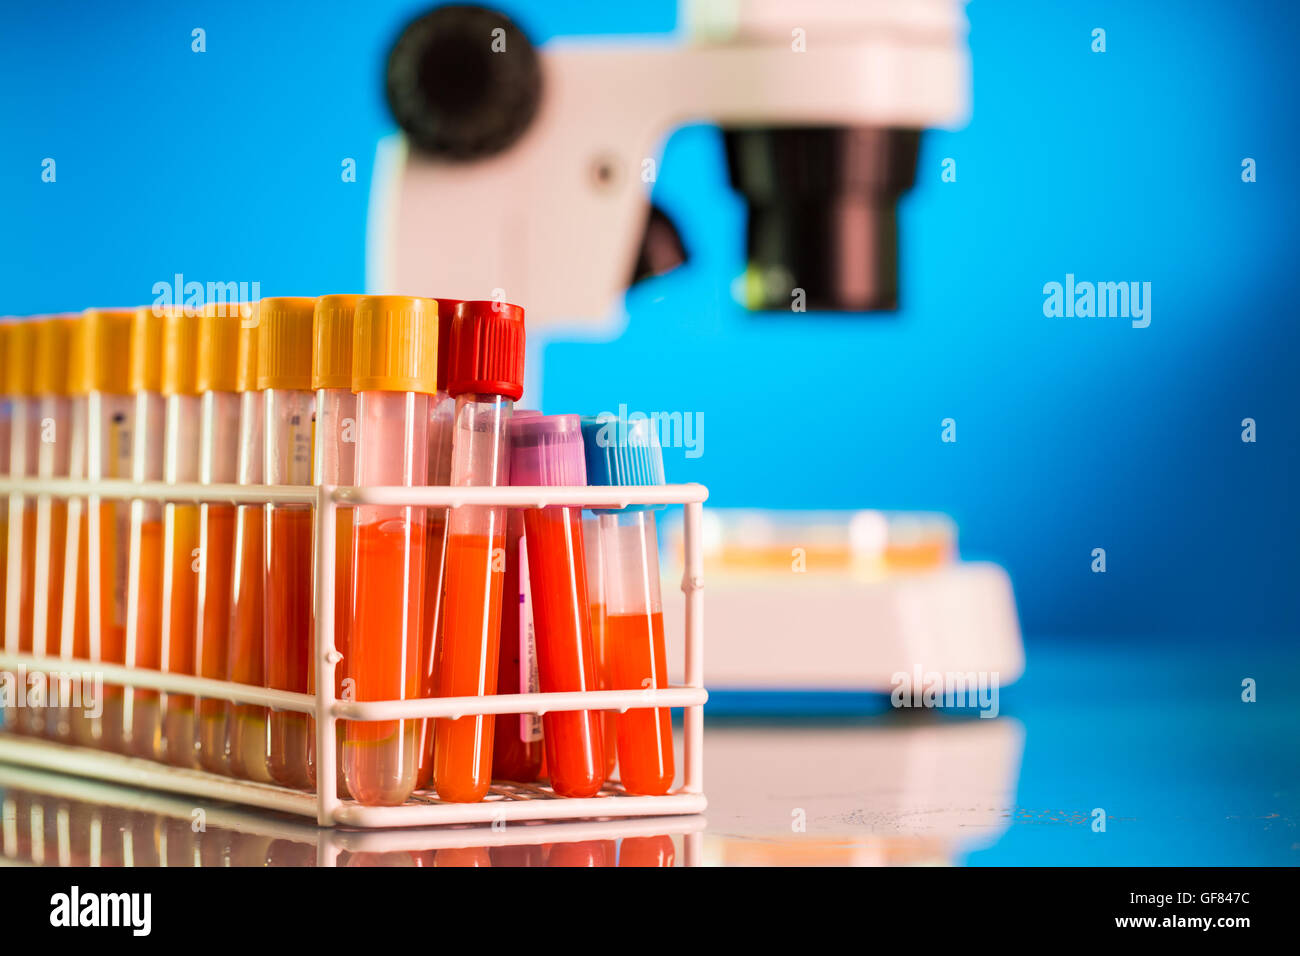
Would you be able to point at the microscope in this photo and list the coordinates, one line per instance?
(528, 169)
(524, 172)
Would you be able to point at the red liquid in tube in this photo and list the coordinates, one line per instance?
(485, 375)
(549, 451)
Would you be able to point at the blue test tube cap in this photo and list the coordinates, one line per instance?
(620, 452)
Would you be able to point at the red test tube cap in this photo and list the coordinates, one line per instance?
(487, 349)
(446, 312)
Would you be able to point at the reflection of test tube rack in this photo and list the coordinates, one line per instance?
(47, 818)
(506, 803)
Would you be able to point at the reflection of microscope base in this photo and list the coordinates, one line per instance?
(886, 792)
(779, 630)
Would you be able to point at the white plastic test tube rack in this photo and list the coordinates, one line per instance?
(505, 802)
(283, 839)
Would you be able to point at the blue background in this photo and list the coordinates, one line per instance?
(1072, 433)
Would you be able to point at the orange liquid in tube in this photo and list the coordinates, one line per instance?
(43, 588)
(219, 379)
(442, 411)
(6, 438)
(99, 564)
(485, 375)
(181, 555)
(591, 540)
(142, 716)
(463, 767)
(394, 371)
(141, 727)
(248, 722)
(181, 566)
(284, 351)
(246, 649)
(20, 341)
(335, 464)
(645, 736)
(287, 608)
(627, 453)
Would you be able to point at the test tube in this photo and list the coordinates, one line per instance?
(245, 662)
(591, 541)
(442, 411)
(517, 751)
(394, 371)
(141, 711)
(98, 549)
(181, 554)
(218, 381)
(284, 356)
(73, 640)
(335, 463)
(6, 435)
(626, 452)
(23, 448)
(485, 375)
(54, 344)
(67, 723)
(548, 451)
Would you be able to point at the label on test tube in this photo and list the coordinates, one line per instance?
(304, 440)
(530, 725)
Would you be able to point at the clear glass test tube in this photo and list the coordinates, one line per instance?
(548, 451)
(394, 372)
(335, 464)
(64, 722)
(591, 542)
(6, 436)
(245, 663)
(98, 552)
(621, 452)
(218, 381)
(284, 350)
(71, 724)
(54, 342)
(517, 750)
(181, 552)
(141, 710)
(24, 446)
(485, 376)
(442, 412)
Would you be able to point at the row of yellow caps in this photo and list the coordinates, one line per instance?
(283, 342)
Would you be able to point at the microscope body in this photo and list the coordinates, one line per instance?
(820, 101)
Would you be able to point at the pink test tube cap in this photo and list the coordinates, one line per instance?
(547, 450)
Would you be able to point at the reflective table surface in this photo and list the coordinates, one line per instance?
(1100, 755)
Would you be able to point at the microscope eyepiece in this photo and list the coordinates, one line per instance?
(463, 82)
(822, 214)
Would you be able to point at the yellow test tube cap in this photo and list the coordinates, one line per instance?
(20, 357)
(246, 361)
(147, 332)
(284, 342)
(103, 352)
(6, 324)
(219, 327)
(180, 352)
(395, 344)
(55, 341)
(331, 363)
